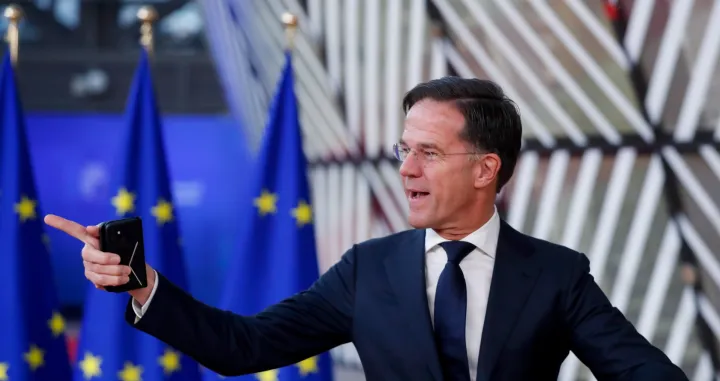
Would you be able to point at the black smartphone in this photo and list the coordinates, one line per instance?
(124, 237)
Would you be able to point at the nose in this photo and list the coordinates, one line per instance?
(410, 167)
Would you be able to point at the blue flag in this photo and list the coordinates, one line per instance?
(278, 256)
(32, 331)
(109, 348)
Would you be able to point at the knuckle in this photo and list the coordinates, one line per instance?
(102, 258)
(91, 276)
(102, 275)
(95, 268)
(119, 280)
(107, 258)
(113, 270)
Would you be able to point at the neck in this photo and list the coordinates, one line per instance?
(473, 221)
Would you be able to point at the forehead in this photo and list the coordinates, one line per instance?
(433, 123)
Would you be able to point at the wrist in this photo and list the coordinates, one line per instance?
(141, 295)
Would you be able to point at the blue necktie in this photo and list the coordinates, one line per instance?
(450, 311)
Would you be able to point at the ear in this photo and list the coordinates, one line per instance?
(486, 170)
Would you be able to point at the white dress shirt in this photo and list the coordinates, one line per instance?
(140, 310)
(476, 266)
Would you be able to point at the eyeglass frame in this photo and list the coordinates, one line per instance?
(396, 153)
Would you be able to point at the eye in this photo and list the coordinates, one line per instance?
(431, 155)
(402, 152)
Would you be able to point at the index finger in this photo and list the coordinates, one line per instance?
(70, 227)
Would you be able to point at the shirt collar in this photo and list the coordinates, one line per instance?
(485, 238)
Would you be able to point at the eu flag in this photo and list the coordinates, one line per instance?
(109, 348)
(32, 331)
(277, 257)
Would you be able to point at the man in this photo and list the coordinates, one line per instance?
(463, 296)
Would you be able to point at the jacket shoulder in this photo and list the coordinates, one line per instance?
(382, 246)
(545, 251)
(390, 240)
(561, 266)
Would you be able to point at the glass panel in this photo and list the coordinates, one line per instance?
(63, 24)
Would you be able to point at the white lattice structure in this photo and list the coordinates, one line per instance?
(619, 105)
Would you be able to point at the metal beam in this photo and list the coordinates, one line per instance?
(676, 208)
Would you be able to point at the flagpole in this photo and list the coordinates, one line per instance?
(147, 15)
(290, 21)
(13, 13)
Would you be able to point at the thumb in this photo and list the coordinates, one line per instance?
(93, 231)
(93, 236)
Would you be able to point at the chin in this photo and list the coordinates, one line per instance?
(418, 222)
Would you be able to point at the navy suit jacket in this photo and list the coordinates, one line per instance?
(543, 303)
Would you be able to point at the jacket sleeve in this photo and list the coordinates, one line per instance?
(302, 326)
(604, 340)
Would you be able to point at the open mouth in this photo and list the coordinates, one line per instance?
(417, 195)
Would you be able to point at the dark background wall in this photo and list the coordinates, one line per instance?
(80, 55)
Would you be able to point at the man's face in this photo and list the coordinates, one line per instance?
(439, 187)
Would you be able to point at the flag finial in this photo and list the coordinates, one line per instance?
(147, 16)
(13, 13)
(290, 21)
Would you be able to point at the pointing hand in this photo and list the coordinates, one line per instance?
(101, 268)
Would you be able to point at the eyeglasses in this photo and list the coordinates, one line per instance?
(402, 152)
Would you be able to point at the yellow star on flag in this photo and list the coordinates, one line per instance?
(124, 202)
(3, 371)
(308, 366)
(131, 372)
(170, 361)
(90, 366)
(266, 203)
(35, 357)
(268, 375)
(57, 324)
(303, 213)
(163, 212)
(25, 209)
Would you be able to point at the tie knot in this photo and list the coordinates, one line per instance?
(457, 250)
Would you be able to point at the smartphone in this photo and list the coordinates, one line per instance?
(124, 237)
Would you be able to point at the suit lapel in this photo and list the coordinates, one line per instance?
(405, 270)
(513, 279)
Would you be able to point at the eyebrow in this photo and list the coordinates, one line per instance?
(422, 145)
(429, 146)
